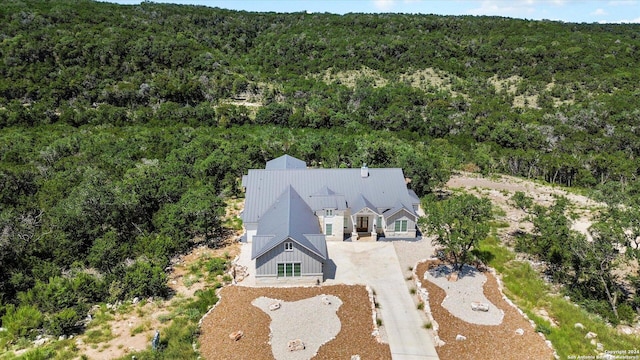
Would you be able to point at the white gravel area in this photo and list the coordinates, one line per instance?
(314, 321)
(464, 291)
(410, 252)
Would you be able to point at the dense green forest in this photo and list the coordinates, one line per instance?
(124, 128)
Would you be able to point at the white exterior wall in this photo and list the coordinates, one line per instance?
(337, 220)
(250, 231)
(347, 224)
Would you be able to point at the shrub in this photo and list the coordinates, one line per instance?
(216, 266)
(63, 322)
(543, 328)
(144, 279)
(205, 299)
(626, 313)
(22, 321)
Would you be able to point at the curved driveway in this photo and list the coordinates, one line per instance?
(376, 264)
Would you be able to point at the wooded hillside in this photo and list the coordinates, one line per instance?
(123, 128)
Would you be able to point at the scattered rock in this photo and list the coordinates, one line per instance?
(593, 342)
(478, 306)
(545, 315)
(3, 329)
(438, 342)
(519, 332)
(236, 335)
(239, 272)
(79, 342)
(355, 357)
(625, 329)
(274, 306)
(135, 300)
(40, 342)
(578, 326)
(326, 301)
(295, 345)
(460, 337)
(62, 337)
(599, 347)
(591, 335)
(453, 277)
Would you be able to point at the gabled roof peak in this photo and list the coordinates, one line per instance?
(285, 162)
(324, 191)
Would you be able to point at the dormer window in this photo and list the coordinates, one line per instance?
(328, 212)
(288, 246)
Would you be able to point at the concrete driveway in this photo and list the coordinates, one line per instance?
(376, 264)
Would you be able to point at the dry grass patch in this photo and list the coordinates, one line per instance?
(349, 78)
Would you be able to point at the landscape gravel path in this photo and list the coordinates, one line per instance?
(314, 321)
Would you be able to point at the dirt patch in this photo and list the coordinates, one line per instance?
(132, 331)
(234, 312)
(500, 188)
(483, 341)
(349, 78)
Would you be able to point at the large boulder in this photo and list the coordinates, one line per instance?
(295, 345)
(236, 335)
(478, 306)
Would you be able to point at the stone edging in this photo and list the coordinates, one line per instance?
(424, 296)
(526, 317)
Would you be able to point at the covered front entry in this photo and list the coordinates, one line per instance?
(362, 224)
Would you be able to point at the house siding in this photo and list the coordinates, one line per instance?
(401, 215)
(267, 264)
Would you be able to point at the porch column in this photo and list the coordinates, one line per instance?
(354, 231)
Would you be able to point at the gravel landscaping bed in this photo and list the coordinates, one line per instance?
(462, 293)
(235, 312)
(483, 341)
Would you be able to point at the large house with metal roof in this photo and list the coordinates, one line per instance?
(291, 211)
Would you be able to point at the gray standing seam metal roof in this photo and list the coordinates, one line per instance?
(383, 188)
(289, 217)
(285, 162)
(360, 203)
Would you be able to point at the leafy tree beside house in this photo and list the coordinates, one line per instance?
(458, 223)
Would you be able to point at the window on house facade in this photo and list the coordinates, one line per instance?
(289, 269)
(328, 212)
(288, 246)
(379, 222)
(328, 229)
(400, 226)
